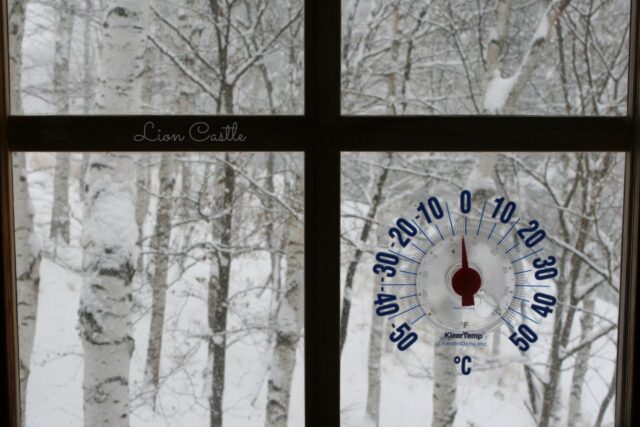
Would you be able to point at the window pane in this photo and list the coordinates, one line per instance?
(160, 289)
(163, 57)
(480, 289)
(485, 57)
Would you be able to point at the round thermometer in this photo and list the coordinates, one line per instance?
(466, 270)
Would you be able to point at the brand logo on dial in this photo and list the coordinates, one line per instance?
(463, 335)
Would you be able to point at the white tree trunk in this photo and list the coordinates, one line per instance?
(60, 221)
(160, 248)
(289, 323)
(62, 58)
(444, 386)
(376, 200)
(190, 25)
(87, 64)
(143, 182)
(581, 366)
(122, 57)
(109, 241)
(496, 47)
(110, 232)
(28, 258)
(17, 15)
(502, 93)
(374, 364)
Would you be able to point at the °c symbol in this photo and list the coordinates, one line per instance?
(466, 370)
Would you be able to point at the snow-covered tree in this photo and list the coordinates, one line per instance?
(289, 320)
(219, 288)
(28, 257)
(109, 241)
(110, 231)
(160, 276)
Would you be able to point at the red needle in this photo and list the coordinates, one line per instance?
(466, 281)
(465, 263)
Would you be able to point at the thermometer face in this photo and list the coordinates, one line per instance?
(466, 270)
(442, 292)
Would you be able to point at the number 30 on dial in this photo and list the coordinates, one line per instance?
(465, 269)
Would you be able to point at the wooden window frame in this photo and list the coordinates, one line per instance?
(322, 134)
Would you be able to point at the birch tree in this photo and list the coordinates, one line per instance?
(110, 231)
(27, 247)
(485, 57)
(17, 16)
(160, 245)
(87, 58)
(576, 416)
(61, 65)
(60, 219)
(60, 227)
(582, 248)
(28, 257)
(504, 92)
(444, 387)
(289, 321)
(109, 242)
(357, 256)
(374, 366)
(143, 182)
(122, 57)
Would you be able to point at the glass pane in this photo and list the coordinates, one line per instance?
(164, 57)
(480, 289)
(485, 57)
(160, 289)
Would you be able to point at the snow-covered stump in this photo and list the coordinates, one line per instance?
(109, 241)
(444, 386)
(28, 258)
(289, 324)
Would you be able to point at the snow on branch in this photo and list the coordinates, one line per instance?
(263, 190)
(583, 257)
(182, 67)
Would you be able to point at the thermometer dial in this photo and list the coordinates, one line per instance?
(465, 271)
(468, 282)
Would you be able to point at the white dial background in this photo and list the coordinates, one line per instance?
(441, 304)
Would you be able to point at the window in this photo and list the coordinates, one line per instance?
(510, 57)
(575, 202)
(191, 57)
(208, 235)
(298, 106)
